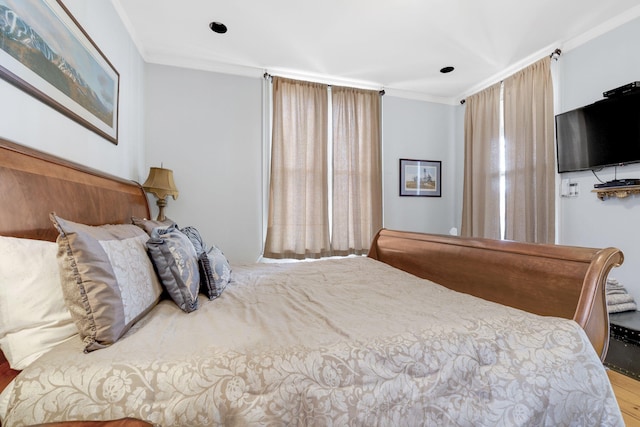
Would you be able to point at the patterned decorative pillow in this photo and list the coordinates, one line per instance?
(221, 269)
(33, 315)
(176, 262)
(215, 271)
(149, 224)
(108, 281)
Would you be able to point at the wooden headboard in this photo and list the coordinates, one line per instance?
(33, 184)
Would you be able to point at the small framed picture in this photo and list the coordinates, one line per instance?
(420, 178)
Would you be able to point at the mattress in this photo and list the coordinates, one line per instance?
(332, 342)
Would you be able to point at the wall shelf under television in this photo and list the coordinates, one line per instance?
(619, 192)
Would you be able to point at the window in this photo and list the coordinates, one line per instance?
(509, 159)
(325, 170)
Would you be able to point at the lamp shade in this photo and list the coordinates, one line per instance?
(160, 183)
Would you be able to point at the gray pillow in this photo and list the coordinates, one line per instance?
(176, 263)
(214, 274)
(220, 271)
(107, 278)
(215, 271)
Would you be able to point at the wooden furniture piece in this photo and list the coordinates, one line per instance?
(619, 192)
(549, 280)
(33, 184)
(6, 373)
(544, 279)
(624, 352)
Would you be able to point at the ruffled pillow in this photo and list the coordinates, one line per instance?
(108, 281)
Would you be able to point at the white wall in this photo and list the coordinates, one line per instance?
(207, 128)
(607, 62)
(25, 120)
(424, 131)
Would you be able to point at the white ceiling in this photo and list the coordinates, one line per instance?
(395, 45)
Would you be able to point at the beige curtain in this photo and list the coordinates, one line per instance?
(298, 224)
(481, 193)
(530, 157)
(357, 175)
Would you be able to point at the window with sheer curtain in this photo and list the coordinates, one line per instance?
(509, 176)
(325, 183)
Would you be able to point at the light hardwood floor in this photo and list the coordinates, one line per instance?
(627, 392)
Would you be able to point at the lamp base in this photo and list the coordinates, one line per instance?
(161, 204)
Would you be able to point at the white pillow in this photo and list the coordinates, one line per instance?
(33, 314)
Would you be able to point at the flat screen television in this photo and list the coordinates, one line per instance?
(605, 133)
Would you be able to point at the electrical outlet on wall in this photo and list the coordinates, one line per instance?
(573, 189)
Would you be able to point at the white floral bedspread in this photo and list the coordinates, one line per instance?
(348, 342)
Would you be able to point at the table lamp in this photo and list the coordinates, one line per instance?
(160, 183)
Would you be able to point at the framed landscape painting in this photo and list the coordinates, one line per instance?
(46, 53)
(420, 178)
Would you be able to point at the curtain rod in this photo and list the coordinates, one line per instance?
(268, 76)
(554, 55)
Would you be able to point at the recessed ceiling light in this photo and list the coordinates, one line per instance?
(218, 27)
(446, 70)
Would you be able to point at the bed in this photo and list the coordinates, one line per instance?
(425, 330)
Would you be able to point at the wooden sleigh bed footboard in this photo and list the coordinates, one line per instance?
(549, 280)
